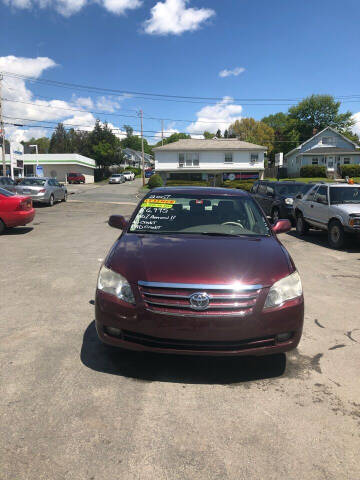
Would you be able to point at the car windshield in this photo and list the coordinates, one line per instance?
(127, 173)
(196, 214)
(6, 193)
(115, 176)
(344, 195)
(292, 189)
(33, 182)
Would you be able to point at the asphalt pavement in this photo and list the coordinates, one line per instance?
(71, 410)
(124, 193)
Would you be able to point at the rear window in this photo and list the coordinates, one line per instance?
(291, 189)
(6, 193)
(116, 176)
(33, 182)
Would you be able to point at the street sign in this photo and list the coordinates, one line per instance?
(39, 171)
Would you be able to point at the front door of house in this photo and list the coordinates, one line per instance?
(330, 164)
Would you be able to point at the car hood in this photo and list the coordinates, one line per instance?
(349, 208)
(201, 260)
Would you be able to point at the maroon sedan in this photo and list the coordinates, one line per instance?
(199, 271)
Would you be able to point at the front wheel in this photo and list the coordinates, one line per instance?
(65, 197)
(336, 234)
(302, 226)
(2, 227)
(51, 201)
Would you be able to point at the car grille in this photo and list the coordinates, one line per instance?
(196, 345)
(175, 299)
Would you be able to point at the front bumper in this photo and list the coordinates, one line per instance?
(143, 330)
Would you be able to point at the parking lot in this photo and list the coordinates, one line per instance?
(70, 410)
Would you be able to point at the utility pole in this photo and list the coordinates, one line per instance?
(142, 149)
(162, 132)
(2, 130)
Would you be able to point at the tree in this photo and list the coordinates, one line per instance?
(218, 134)
(59, 142)
(173, 138)
(208, 135)
(250, 130)
(134, 142)
(43, 144)
(318, 112)
(226, 134)
(129, 130)
(286, 135)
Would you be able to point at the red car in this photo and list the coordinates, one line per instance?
(199, 271)
(76, 178)
(15, 210)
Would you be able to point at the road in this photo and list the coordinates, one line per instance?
(70, 410)
(124, 193)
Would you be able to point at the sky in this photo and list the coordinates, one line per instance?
(238, 58)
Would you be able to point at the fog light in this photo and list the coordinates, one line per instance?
(114, 332)
(283, 337)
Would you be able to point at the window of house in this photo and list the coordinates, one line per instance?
(254, 157)
(228, 157)
(181, 159)
(346, 161)
(328, 140)
(192, 159)
(315, 161)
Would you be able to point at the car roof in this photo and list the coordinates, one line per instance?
(340, 184)
(230, 192)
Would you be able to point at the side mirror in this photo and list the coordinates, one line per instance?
(281, 226)
(299, 196)
(118, 221)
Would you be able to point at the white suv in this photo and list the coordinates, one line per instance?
(331, 207)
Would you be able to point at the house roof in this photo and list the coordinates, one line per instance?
(327, 150)
(213, 144)
(314, 136)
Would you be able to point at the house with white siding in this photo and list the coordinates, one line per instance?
(328, 148)
(214, 160)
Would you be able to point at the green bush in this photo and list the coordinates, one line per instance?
(239, 184)
(155, 181)
(313, 171)
(350, 171)
(137, 171)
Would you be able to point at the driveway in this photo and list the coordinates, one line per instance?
(125, 193)
(70, 410)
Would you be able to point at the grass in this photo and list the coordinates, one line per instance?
(303, 179)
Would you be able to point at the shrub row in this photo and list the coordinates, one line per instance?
(350, 171)
(190, 183)
(312, 171)
(155, 181)
(239, 184)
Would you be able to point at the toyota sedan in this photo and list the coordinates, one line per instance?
(199, 271)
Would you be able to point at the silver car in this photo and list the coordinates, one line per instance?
(331, 207)
(8, 184)
(42, 190)
(117, 178)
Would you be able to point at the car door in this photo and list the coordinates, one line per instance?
(321, 210)
(307, 204)
(51, 188)
(59, 191)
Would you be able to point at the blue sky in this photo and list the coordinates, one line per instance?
(275, 50)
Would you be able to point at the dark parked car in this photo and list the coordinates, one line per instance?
(277, 198)
(149, 173)
(199, 271)
(8, 184)
(76, 178)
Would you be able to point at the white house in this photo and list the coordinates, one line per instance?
(212, 160)
(327, 148)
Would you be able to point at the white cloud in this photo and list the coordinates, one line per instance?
(167, 133)
(70, 7)
(228, 73)
(356, 128)
(173, 17)
(22, 107)
(119, 7)
(213, 117)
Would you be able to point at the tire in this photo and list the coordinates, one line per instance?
(2, 227)
(275, 215)
(336, 234)
(302, 226)
(51, 201)
(65, 198)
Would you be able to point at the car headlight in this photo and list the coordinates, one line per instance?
(354, 220)
(285, 289)
(115, 284)
(289, 201)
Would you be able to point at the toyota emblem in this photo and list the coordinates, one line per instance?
(199, 301)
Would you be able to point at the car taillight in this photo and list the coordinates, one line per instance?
(43, 190)
(25, 204)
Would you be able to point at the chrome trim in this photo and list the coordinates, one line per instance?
(191, 314)
(197, 286)
(186, 297)
(210, 307)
